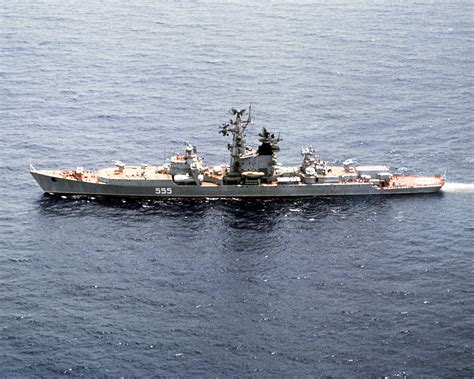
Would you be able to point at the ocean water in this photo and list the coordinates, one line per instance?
(343, 287)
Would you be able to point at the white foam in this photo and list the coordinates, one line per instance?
(458, 187)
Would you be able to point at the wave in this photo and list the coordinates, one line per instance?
(458, 187)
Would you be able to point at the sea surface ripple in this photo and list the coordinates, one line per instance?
(342, 287)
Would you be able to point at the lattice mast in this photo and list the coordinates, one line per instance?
(237, 147)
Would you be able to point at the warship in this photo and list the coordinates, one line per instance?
(251, 173)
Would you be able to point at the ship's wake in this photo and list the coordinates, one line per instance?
(458, 187)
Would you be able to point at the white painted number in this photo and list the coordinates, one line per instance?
(163, 191)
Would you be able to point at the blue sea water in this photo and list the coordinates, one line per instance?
(343, 287)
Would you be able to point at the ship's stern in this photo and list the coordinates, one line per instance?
(46, 180)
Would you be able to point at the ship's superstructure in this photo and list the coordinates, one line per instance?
(250, 173)
(246, 162)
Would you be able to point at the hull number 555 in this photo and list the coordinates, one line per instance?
(163, 191)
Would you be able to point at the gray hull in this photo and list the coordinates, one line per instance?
(169, 189)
